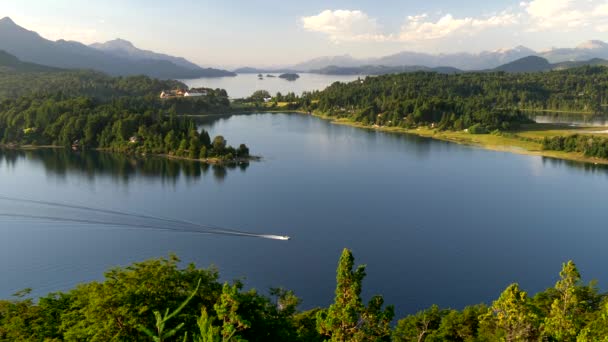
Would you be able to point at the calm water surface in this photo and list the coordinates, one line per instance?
(243, 85)
(434, 222)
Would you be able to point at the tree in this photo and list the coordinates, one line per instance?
(227, 312)
(243, 151)
(561, 323)
(219, 145)
(207, 332)
(160, 334)
(597, 329)
(193, 149)
(513, 316)
(347, 319)
(416, 328)
(259, 96)
(203, 153)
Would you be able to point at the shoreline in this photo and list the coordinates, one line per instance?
(210, 161)
(517, 142)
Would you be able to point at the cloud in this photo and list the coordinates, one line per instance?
(344, 25)
(565, 15)
(551, 16)
(419, 28)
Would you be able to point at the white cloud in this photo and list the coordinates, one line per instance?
(550, 16)
(344, 25)
(564, 15)
(419, 28)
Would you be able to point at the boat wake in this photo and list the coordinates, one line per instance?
(121, 219)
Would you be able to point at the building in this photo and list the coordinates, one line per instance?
(169, 94)
(193, 92)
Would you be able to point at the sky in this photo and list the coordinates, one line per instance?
(231, 33)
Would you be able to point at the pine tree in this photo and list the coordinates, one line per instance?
(347, 319)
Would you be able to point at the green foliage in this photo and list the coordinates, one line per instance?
(513, 316)
(419, 326)
(124, 125)
(134, 297)
(561, 323)
(161, 320)
(227, 313)
(477, 129)
(455, 102)
(590, 146)
(347, 319)
(129, 297)
(207, 332)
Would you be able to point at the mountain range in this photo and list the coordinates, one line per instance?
(121, 58)
(418, 61)
(117, 58)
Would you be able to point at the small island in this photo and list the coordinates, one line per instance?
(289, 76)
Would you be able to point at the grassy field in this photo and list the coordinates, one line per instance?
(526, 140)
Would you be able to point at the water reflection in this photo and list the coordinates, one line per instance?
(122, 168)
(571, 118)
(586, 167)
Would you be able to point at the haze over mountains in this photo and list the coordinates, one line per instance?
(118, 58)
(415, 61)
(121, 58)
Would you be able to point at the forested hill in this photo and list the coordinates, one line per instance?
(87, 109)
(9, 62)
(18, 78)
(493, 100)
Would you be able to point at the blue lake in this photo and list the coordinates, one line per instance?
(434, 222)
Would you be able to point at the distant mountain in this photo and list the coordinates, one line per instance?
(463, 61)
(250, 70)
(381, 70)
(486, 60)
(576, 64)
(408, 59)
(322, 62)
(585, 51)
(29, 46)
(540, 64)
(11, 63)
(526, 64)
(126, 49)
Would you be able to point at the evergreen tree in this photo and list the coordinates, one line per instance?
(347, 319)
(561, 323)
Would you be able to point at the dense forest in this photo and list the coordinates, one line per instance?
(157, 300)
(455, 102)
(590, 146)
(85, 109)
(121, 125)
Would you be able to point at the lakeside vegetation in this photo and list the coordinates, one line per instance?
(158, 300)
(490, 110)
(88, 110)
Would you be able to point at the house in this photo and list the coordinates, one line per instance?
(267, 99)
(169, 94)
(194, 92)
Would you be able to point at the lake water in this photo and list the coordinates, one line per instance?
(435, 222)
(243, 85)
(572, 119)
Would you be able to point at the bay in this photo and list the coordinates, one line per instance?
(434, 222)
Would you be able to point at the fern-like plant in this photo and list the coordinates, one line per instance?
(160, 334)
